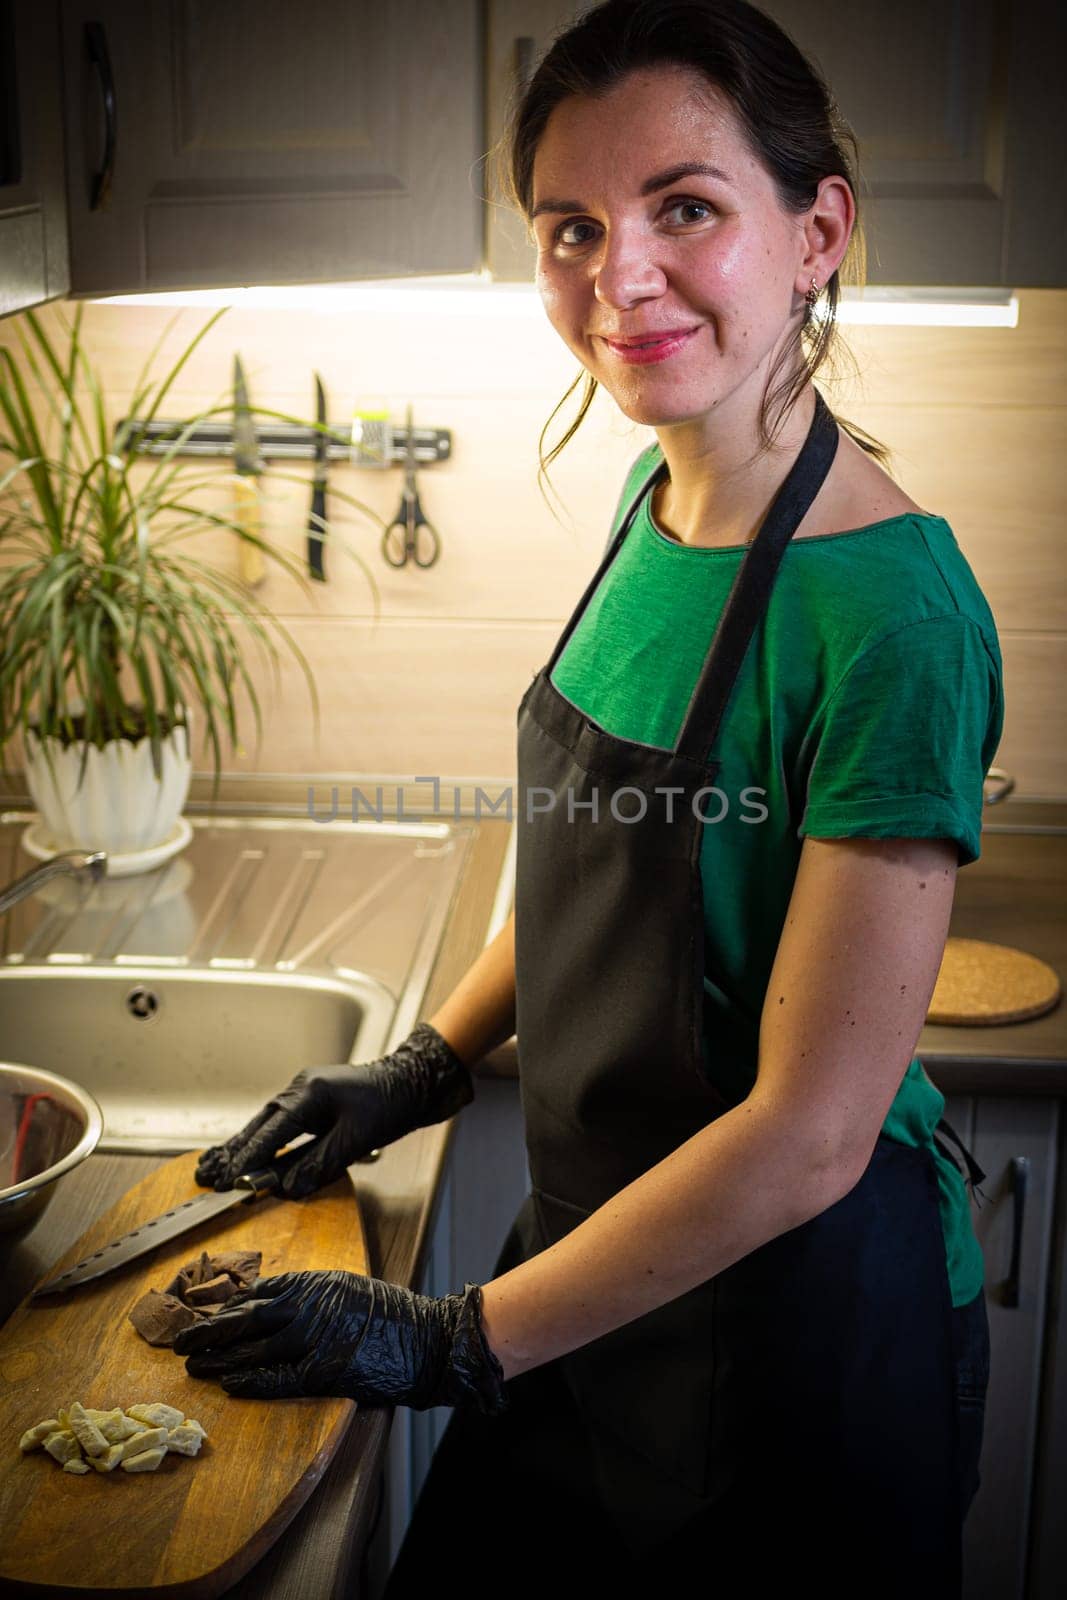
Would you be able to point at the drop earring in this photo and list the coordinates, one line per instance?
(811, 297)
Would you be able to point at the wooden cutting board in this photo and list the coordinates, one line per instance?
(196, 1524)
(980, 984)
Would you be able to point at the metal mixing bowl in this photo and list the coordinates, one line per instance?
(47, 1126)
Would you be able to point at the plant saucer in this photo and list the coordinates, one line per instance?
(120, 864)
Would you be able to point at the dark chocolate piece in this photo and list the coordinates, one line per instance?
(212, 1293)
(198, 1290)
(159, 1318)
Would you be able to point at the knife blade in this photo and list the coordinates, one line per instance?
(248, 466)
(150, 1235)
(316, 567)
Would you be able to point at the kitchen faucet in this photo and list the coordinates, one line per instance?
(70, 862)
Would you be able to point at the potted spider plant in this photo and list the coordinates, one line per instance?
(114, 639)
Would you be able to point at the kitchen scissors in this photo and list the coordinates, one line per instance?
(410, 535)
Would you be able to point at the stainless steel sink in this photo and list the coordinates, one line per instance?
(182, 998)
(180, 1059)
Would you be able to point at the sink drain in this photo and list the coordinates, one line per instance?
(142, 1003)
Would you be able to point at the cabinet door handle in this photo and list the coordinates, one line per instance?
(1020, 1180)
(524, 63)
(96, 42)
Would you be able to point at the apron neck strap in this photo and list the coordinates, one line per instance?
(749, 597)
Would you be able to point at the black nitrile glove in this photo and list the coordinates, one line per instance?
(340, 1333)
(353, 1109)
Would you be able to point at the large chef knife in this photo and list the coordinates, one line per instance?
(160, 1230)
(318, 494)
(248, 465)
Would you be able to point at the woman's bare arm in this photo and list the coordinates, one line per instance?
(478, 1018)
(503, 1062)
(856, 966)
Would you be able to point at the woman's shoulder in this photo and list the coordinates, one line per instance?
(908, 565)
(858, 493)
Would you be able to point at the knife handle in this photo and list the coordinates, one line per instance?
(316, 568)
(250, 558)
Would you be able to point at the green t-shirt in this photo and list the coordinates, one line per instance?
(869, 703)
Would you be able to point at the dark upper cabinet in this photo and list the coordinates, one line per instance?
(33, 211)
(959, 114)
(518, 34)
(262, 142)
(185, 144)
(958, 121)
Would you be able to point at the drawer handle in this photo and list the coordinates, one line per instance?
(1020, 1182)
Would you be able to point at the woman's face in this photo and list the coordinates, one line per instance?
(710, 257)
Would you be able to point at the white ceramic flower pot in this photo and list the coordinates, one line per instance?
(120, 805)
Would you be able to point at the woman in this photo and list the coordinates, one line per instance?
(738, 1326)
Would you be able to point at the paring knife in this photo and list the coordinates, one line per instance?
(248, 466)
(250, 1186)
(318, 494)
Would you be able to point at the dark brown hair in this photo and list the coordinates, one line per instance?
(785, 109)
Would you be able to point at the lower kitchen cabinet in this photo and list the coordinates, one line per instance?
(1016, 1142)
(1047, 1571)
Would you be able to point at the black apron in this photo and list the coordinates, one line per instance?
(806, 1393)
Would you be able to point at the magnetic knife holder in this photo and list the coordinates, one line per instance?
(287, 441)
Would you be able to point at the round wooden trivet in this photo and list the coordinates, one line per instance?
(980, 984)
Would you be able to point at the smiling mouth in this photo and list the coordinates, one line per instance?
(647, 344)
(653, 351)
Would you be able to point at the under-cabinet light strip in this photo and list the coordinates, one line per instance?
(474, 296)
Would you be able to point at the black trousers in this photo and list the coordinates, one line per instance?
(509, 1508)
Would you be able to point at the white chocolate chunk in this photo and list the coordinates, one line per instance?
(109, 1460)
(124, 1428)
(147, 1461)
(34, 1438)
(185, 1440)
(147, 1439)
(114, 1425)
(86, 1431)
(62, 1446)
(157, 1415)
(76, 1464)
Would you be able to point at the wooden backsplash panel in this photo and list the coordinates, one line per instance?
(974, 418)
(419, 698)
(995, 477)
(1032, 746)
